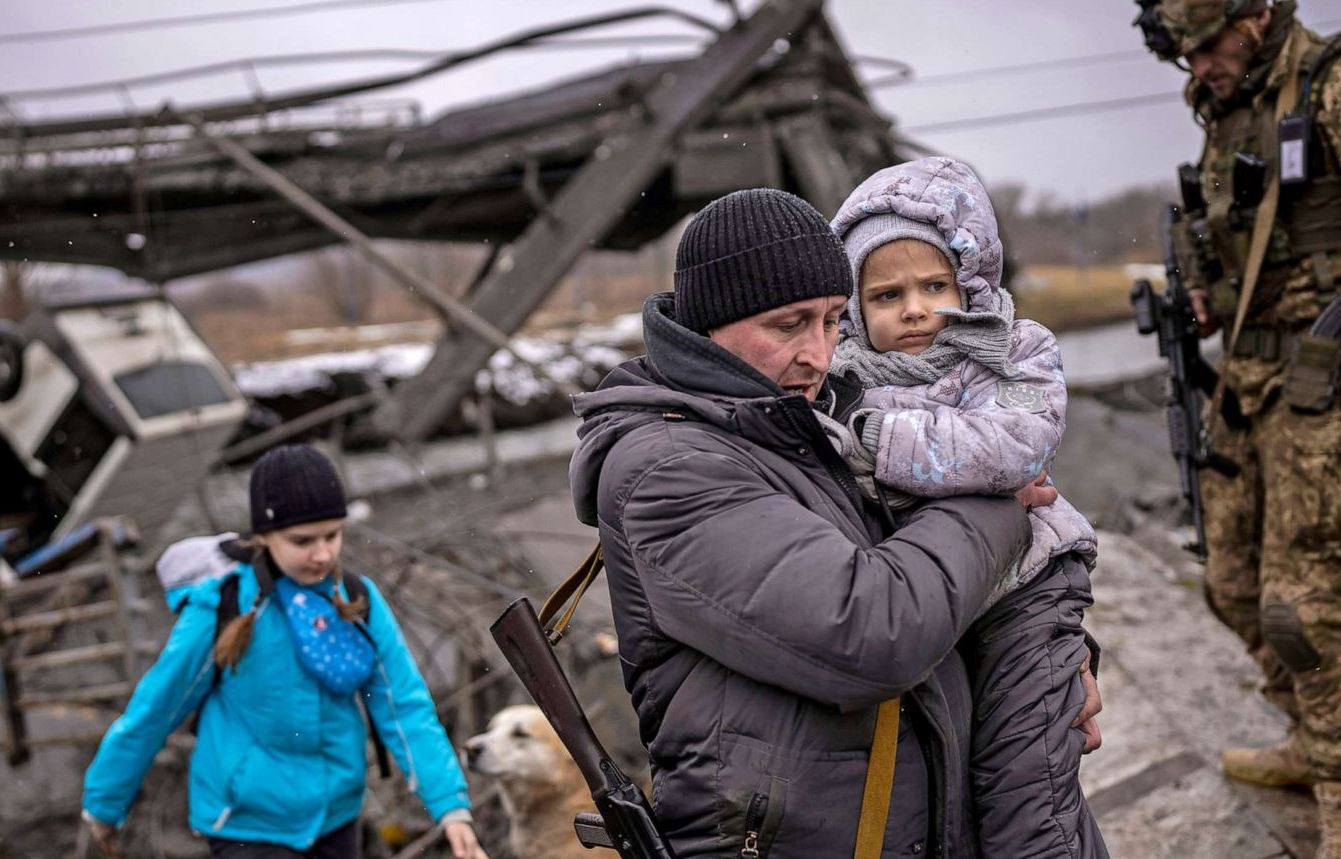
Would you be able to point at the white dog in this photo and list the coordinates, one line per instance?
(542, 788)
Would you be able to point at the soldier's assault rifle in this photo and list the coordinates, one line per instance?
(624, 823)
(1169, 315)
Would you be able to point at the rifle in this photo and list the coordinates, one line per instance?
(1170, 316)
(624, 822)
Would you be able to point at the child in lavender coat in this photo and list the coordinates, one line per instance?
(960, 397)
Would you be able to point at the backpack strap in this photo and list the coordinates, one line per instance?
(1313, 66)
(229, 609)
(265, 574)
(235, 549)
(355, 590)
(224, 614)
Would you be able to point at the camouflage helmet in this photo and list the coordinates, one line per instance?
(1176, 28)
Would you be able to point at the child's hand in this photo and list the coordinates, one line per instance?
(461, 838)
(1037, 494)
(847, 446)
(104, 835)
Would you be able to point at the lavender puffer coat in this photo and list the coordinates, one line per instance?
(974, 432)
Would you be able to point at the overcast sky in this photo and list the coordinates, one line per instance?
(1076, 158)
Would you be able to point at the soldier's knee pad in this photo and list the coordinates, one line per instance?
(1284, 632)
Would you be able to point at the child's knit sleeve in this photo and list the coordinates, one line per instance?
(1001, 435)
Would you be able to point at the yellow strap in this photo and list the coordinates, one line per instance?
(1266, 214)
(573, 587)
(879, 783)
(1266, 210)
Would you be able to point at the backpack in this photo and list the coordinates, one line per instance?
(189, 562)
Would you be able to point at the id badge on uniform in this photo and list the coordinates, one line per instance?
(1293, 135)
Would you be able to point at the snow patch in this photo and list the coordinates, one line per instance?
(582, 358)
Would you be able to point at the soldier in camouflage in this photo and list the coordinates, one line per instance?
(1268, 95)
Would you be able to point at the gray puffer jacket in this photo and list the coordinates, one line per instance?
(760, 617)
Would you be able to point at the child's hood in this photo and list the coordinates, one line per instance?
(945, 193)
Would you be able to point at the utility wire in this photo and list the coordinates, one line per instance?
(222, 112)
(902, 71)
(189, 20)
(363, 55)
(906, 79)
(999, 71)
(192, 20)
(1045, 113)
(1056, 110)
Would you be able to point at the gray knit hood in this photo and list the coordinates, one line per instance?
(945, 195)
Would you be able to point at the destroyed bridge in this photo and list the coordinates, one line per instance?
(612, 160)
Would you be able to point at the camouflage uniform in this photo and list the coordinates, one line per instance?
(1274, 531)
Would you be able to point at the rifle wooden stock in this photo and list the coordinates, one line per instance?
(625, 821)
(518, 634)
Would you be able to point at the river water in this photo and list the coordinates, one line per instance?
(1102, 356)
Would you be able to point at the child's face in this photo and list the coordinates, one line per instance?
(306, 553)
(903, 283)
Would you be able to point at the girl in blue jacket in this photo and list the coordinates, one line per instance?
(279, 763)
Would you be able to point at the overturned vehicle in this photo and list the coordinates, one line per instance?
(112, 404)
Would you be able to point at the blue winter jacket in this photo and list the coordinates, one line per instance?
(278, 758)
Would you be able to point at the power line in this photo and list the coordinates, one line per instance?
(902, 71)
(223, 112)
(250, 64)
(912, 79)
(188, 20)
(1056, 110)
(1046, 112)
(998, 71)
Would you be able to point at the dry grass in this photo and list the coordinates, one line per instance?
(1067, 297)
(288, 323)
(258, 333)
(281, 323)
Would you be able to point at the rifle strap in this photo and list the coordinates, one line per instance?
(1286, 101)
(879, 786)
(879, 782)
(572, 588)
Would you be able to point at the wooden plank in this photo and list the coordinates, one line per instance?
(16, 733)
(80, 655)
(124, 595)
(84, 738)
(817, 160)
(105, 692)
(42, 582)
(60, 617)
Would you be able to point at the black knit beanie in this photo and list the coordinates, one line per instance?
(293, 484)
(752, 251)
